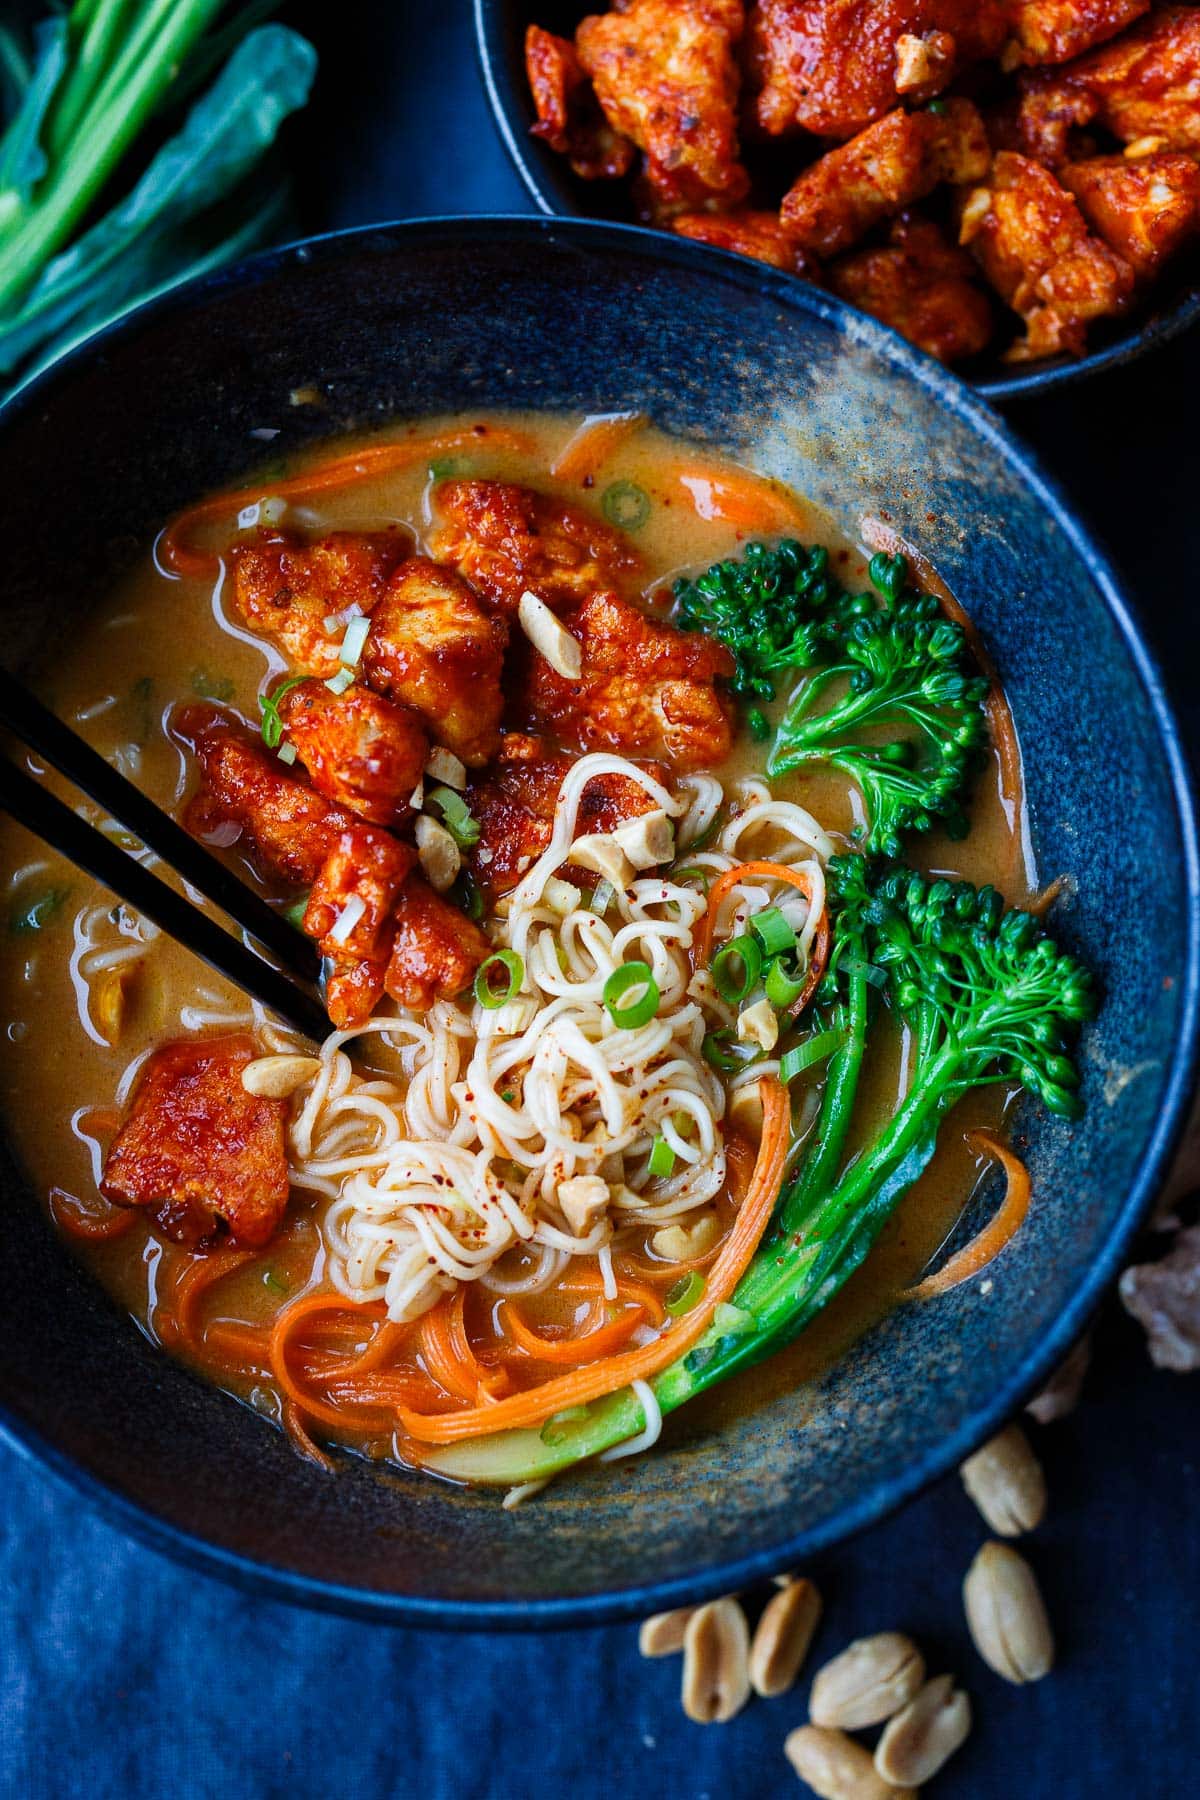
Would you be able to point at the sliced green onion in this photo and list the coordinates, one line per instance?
(467, 896)
(722, 1051)
(602, 897)
(443, 467)
(773, 931)
(268, 705)
(736, 968)
(638, 1011)
(36, 914)
(271, 1280)
(662, 1157)
(457, 817)
(294, 914)
(813, 1050)
(489, 997)
(209, 687)
(337, 684)
(687, 1292)
(683, 1123)
(286, 753)
(625, 505)
(552, 1432)
(783, 987)
(854, 965)
(352, 643)
(691, 873)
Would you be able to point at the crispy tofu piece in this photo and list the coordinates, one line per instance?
(514, 804)
(504, 539)
(569, 118)
(353, 989)
(921, 285)
(1145, 86)
(199, 1152)
(436, 949)
(286, 588)
(365, 865)
(361, 749)
(646, 689)
(834, 67)
(435, 647)
(666, 76)
(286, 826)
(756, 234)
(841, 196)
(1053, 31)
(1029, 237)
(1144, 209)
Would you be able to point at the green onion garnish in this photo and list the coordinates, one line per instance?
(337, 684)
(773, 931)
(736, 968)
(268, 705)
(457, 817)
(36, 914)
(853, 965)
(294, 914)
(467, 896)
(352, 643)
(489, 997)
(722, 1051)
(625, 505)
(602, 897)
(271, 1280)
(444, 467)
(662, 1157)
(813, 1050)
(211, 687)
(687, 1292)
(639, 1010)
(286, 753)
(691, 873)
(783, 985)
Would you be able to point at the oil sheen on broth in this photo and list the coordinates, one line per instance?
(158, 641)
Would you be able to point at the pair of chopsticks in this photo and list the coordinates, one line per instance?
(286, 990)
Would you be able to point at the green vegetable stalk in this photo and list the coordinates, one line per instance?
(986, 996)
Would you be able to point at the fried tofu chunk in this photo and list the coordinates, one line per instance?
(665, 73)
(834, 67)
(433, 646)
(921, 285)
(199, 1152)
(514, 805)
(756, 234)
(569, 118)
(1029, 237)
(361, 749)
(841, 196)
(1053, 31)
(359, 880)
(287, 828)
(504, 539)
(1144, 87)
(646, 689)
(1144, 209)
(286, 588)
(436, 949)
(353, 988)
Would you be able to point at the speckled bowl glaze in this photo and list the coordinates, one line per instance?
(500, 26)
(439, 315)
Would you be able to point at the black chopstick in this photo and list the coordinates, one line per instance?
(67, 752)
(44, 814)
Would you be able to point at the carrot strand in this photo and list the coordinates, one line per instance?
(600, 1378)
(600, 1342)
(739, 497)
(589, 448)
(999, 1231)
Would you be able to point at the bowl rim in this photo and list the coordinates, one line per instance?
(643, 1598)
(529, 158)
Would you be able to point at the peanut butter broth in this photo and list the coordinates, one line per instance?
(160, 640)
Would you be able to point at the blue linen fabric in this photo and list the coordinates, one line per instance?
(121, 1673)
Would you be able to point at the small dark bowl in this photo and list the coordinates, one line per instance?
(1170, 307)
(434, 316)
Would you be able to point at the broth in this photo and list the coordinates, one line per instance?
(159, 640)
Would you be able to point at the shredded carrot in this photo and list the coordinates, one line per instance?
(78, 1221)
(767, 871)
(356, 1392)
(589, 448)
(999, 1231)
(878, 536)
(341, 471)
(591, 1344)
(294, 1426)
(241, 1349)
(490, 1383)
(183, 1284)
(738, 497)
(634, 1293)
(441, 1353)
(1041, 903)
(600, 1378)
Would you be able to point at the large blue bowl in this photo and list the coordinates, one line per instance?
(434, 316)
(1171, 306)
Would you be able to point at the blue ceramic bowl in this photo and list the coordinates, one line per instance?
(500, 25)
(433, 316)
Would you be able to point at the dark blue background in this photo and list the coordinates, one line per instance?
(121, 1673)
